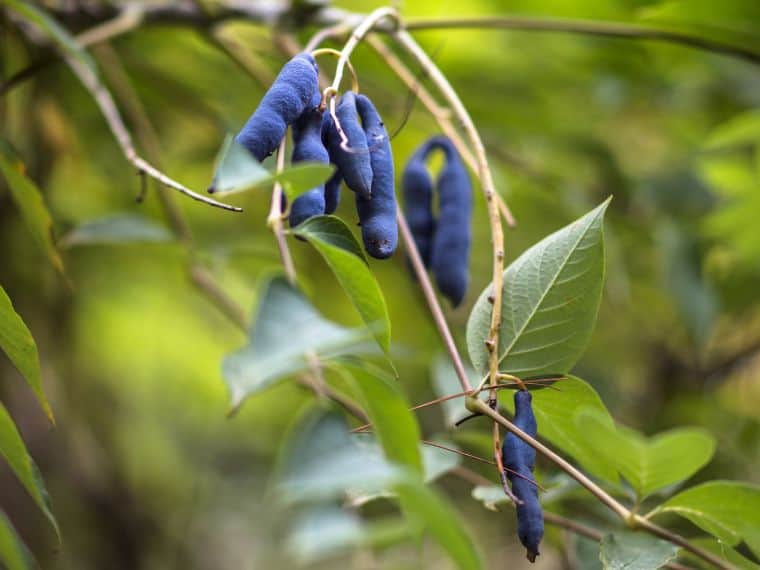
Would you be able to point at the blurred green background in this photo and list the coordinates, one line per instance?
(144, 468)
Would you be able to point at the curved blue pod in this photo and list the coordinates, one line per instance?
(332, 192)
(377, 215)
(417, 186)
(282, 104)
(519, 459)
(354, 164)
(450, 250)
(307, 146)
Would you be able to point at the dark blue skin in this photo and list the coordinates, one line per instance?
(377, 215)
(332, 192)
(520, 457)
(418, 201)
(354, 164)
(287, 98)
(450, 250)
(307, 146)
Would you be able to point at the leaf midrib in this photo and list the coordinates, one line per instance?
(546, 291)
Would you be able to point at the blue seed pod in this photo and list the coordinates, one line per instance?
(332, 192)
(417, 186)
(519, 459)
(530, 518)
(377, 215)
(354, 164)
(450, 251)
(307, 146)
(283, 103)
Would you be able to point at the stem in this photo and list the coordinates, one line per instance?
(634, 521)
(441, 114)
(357, 36)
(585, 27)
(478, 406)
(432, 300)
(111, 114)
(274, 220)
(497, 237)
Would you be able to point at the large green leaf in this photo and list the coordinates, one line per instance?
(13, 552)
(334, 241)
(635, 551)
(116, 230)
(555, 414)
(395, 426)
(14, 451)
(647, 464)
(721, 549)
(550, 300)
(17, 342)
(431, 512)
(286, 332)
(729, 510)
(29, 200)
(236, 171)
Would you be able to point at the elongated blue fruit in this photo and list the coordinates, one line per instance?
(307, 146)
(354, 163)
(332, 192)
(519, 459)
(377, 215)
(417, 186)
(450, 250)
(286, 100)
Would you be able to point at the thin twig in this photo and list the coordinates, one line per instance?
(497, 238)
(274, 220)
(632, 520)
(148, 139)
(586, 27)
(441, 114)
(111, 114)
(241, 55)
(432, 300)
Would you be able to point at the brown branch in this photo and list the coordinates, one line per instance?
(274, 220)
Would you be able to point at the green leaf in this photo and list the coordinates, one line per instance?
(29, 200)
(647, 464)
(586, 552)
(743, 129)
(445, 383)
(555, 414)
(286, 332)
(14, 451)
(17, 342)
(550, 300)
(325, 461)
(13, 553)
(237, 171)
(729, 510)
(721, 549)
(116, 229)
(334, 241)
(428, 511)
(49, 26)
(635, 551)
(395, 426)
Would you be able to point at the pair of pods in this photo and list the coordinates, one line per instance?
(443, 243)
(366, 164)
(519, 459)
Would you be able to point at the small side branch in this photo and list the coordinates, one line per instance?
(274, 220)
